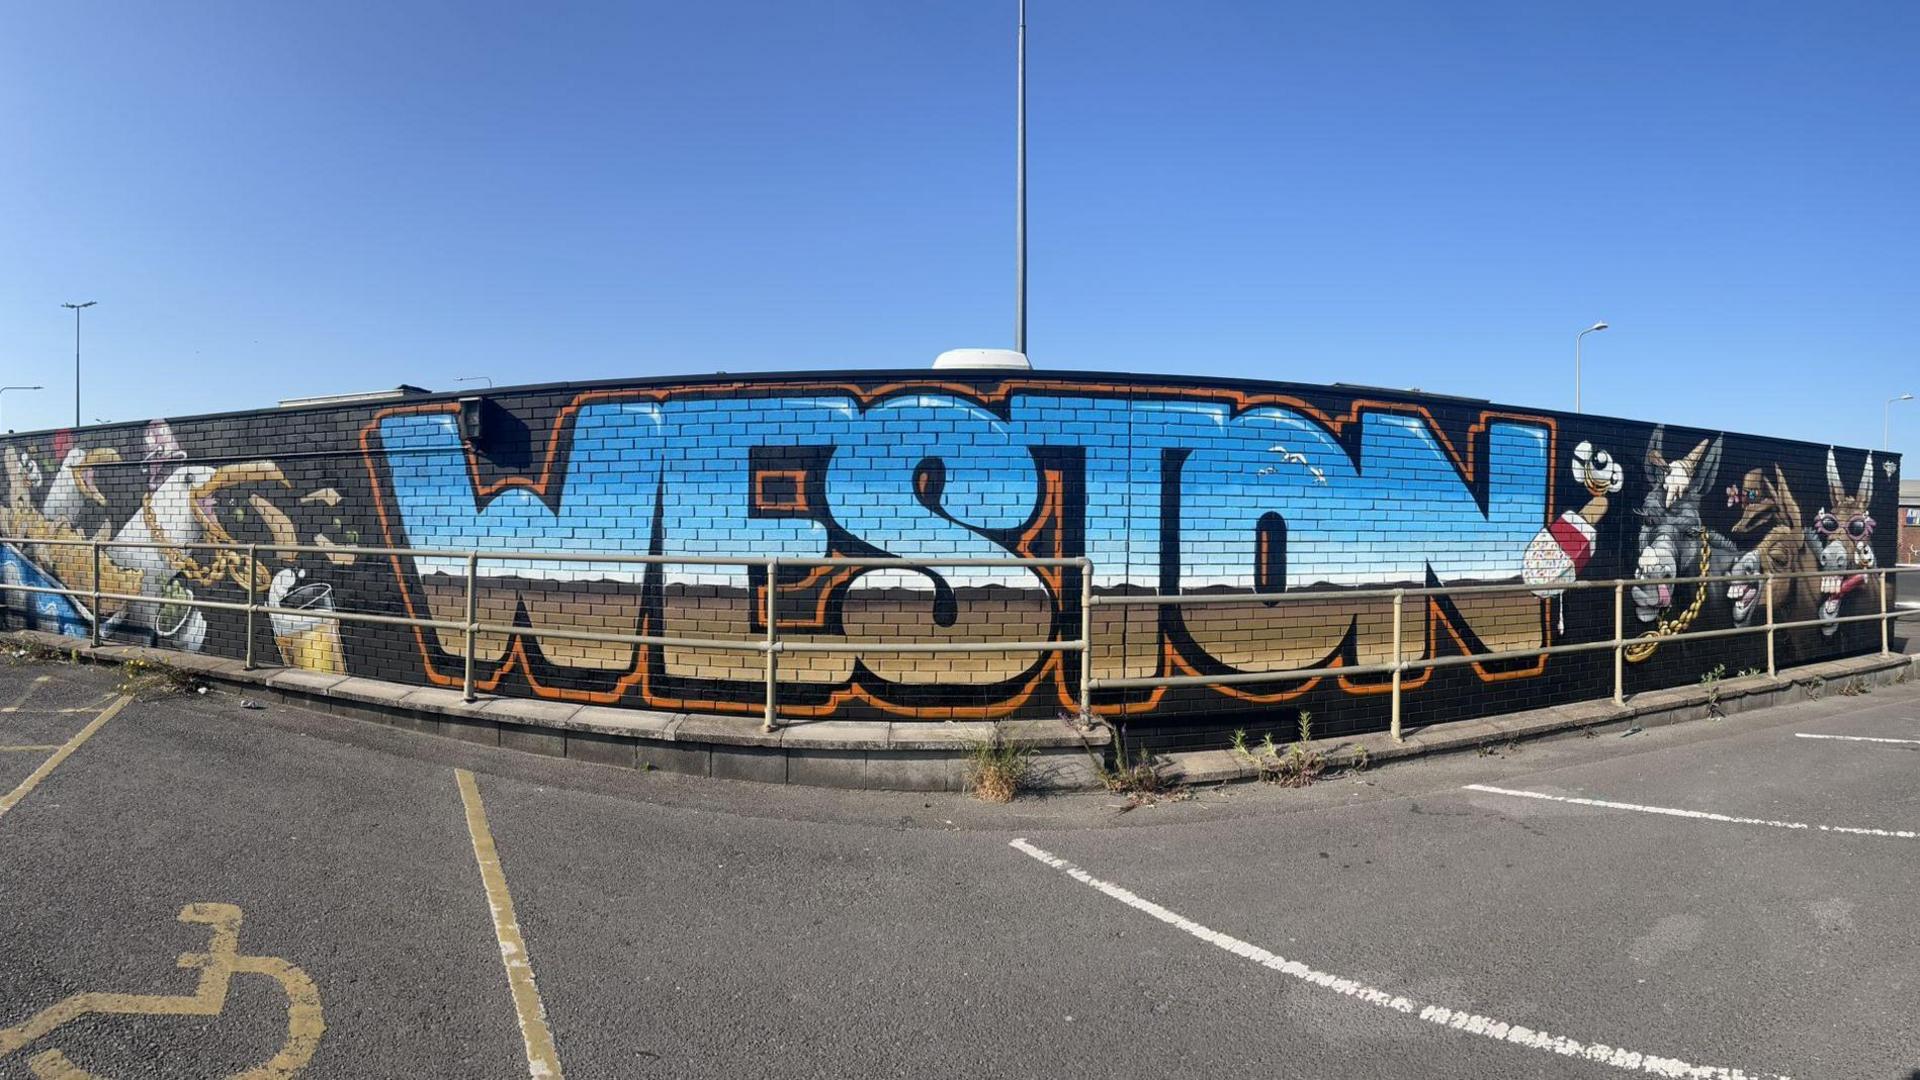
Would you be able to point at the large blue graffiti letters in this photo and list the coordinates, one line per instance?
(605, 503)
(1272, 489)
(1169, 494)
(930, 477)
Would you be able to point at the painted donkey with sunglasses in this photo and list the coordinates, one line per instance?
(1844, 534)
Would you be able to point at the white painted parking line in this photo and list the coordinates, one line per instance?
(1857, 738)
(1698, 815)
(1454, 1019)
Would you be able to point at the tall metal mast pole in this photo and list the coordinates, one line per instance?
(1020, 194)
(77, 309)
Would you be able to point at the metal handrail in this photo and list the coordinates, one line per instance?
(1336, 592)
(1618, 644)
(876, 562)
(771, 645)
(471, 627)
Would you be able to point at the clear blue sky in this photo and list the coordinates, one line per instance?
(271, 200)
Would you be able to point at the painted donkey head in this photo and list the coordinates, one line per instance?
(1769, 511)
(1844, 533)
(1672, 533)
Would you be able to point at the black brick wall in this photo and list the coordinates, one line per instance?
(1170, 485)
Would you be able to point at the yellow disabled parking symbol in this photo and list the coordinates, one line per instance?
(218, 965)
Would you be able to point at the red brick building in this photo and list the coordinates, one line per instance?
(1910, 521)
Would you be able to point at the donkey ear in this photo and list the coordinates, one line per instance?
(1656, 455)
(1697, 470)
(1783, 497)
(1866, 482)
(1707, 468)
(1836, 491)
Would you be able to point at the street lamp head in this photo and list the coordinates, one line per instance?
(77, 307)
(1596, 326)
(1904, 397)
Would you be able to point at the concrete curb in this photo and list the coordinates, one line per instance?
(1654, 708)
(877, 754)
(916, 756)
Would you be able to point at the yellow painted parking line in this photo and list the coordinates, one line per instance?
(543, 1061)
(12, 798)
(37, 683)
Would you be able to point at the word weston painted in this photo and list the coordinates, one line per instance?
(1167, 486)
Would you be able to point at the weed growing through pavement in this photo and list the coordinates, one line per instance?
(148, 679)
(1748, 673)
(1711, 683)
(997, 770)
(1855, 687)
(1295, 766)
(32, 652)
(1506, 749)
(1140, 775)
(1816, 688)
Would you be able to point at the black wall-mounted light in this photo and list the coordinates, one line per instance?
(473, 428)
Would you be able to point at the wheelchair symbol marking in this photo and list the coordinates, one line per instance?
(217, 966)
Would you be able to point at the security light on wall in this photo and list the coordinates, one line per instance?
(472, 420)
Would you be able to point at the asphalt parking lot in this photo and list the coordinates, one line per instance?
(1728, 898)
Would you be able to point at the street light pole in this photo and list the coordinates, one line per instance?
(77, 309)
(1578, 341)
(4, 389)
(1020, 191)
(1886, 420)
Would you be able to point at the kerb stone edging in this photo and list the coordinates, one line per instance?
(882, 755)
(1654, 708)
(905, 756)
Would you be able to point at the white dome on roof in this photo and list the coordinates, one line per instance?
(1003, 359)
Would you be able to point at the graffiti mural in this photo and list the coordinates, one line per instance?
(1279, 502)
(153, 562)
(1782, 545)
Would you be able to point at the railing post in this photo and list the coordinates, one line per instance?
(473, 621)
(1773, 671)
(773, 644)
(253, 563)
(1619, 642)
(95, 545)
(1086, 640)
(1399, 606)
(1886, 627)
